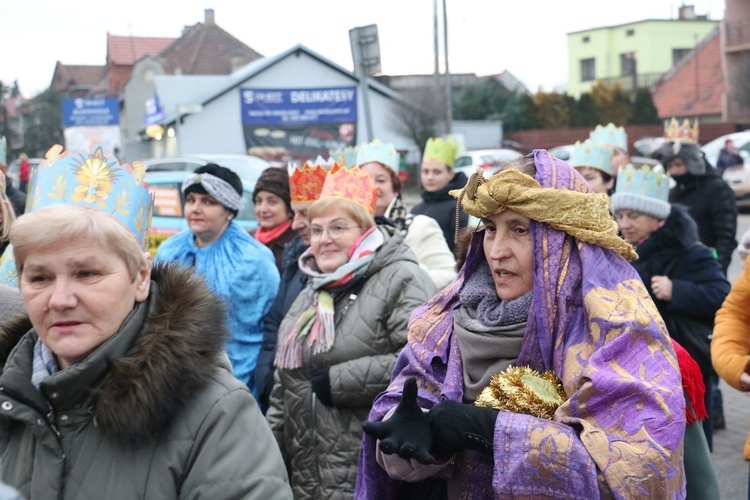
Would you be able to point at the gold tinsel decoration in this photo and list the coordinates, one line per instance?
(522, 390)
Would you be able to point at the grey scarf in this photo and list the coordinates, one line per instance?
(489, 331)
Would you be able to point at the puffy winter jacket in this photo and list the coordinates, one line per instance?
(711, 203)
(154, 412)
(441, 206)
(321, 443)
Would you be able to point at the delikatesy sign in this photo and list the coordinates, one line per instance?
(90, 112)
(298, 106)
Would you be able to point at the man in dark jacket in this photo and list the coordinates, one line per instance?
(708, 198)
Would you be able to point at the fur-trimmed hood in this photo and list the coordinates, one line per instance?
(173, 355)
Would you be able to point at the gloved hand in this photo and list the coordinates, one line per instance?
(407, 433)
(457, 426)
(321, 385)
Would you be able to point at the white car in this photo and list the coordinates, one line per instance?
(741, 141)
(487, 159)
(248, 167)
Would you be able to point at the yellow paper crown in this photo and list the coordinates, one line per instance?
(306, 183)
(440, 149)
(684, 133)
(353, 185)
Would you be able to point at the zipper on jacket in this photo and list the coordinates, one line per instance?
(52, 421)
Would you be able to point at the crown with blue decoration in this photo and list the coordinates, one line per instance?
(3, 150)
(377, 151)
(590, 154)
(611, 135)
(642, 190)
(94, 179)
(346, 157)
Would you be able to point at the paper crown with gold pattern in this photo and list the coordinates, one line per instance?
(674, 131)
(642, 190)
(611, 135)
(94, 179)
(346, 157)
(440, 149)
(306, 183)
(590, 154)
(353, 185)
(377, 151)
(3, 150)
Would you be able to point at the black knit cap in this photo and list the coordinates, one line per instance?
(275, 180)
(222, 173)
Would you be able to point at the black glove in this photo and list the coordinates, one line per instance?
(321, 385)
(407, 433)
(457, 426)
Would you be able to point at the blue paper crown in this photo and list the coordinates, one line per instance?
(346, 157)
(610, 135)
(94, 179)
(3, 150)
(379, 152)
(643, 181)
(589, 154)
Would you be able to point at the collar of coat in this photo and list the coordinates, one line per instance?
(170, 358)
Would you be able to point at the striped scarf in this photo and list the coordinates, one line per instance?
(315, 326)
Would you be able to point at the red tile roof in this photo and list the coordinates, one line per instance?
(66, 76)
(126, 50)
(695, 87)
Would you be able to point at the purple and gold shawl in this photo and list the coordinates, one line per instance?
(592, 322)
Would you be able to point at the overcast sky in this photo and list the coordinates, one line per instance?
(527, 37)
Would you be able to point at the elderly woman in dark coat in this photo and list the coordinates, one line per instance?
(116, 384)
(681, 273)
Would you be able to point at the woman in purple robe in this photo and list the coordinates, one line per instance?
(546, 288)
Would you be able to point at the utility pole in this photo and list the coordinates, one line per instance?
(448, 93)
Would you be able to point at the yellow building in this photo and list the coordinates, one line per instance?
(633, 54)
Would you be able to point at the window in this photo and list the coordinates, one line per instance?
(588, 69)
(678, 55)
(586, 39)
(630, 32)
(628, 65)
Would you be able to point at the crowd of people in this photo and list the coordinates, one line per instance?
(352, 347)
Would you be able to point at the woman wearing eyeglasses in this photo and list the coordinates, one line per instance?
(339, 341)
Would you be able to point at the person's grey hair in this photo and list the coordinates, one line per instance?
(57, 225)
(221, 190)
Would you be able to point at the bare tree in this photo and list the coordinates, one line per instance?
(418, 115)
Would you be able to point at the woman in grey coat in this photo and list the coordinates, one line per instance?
(339, 341)
(116, 384)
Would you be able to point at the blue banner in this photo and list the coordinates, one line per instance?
(91, 112)
(298, 106)
(154, 113)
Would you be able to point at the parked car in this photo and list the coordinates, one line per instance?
(169, 215)
(487, 159)
(563, 152)
(248, 167)
(741, 141)
(14, 169)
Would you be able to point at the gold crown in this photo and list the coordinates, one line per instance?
(306, 183)
(353, 185)
(684, 133)
(441, 150)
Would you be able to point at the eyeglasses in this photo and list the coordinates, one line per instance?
(334, 232)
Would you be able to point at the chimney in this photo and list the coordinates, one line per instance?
(687, 13)
(210, 16)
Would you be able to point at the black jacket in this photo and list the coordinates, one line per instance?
(442, 207)
(17, 199)
(699, 286)
(293, 281)
(711, 204)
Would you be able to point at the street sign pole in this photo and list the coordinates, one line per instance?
(366, 55)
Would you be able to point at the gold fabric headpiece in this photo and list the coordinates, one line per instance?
(585, 216)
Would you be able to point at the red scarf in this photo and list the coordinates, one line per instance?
(268, 236)
(692, 384)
